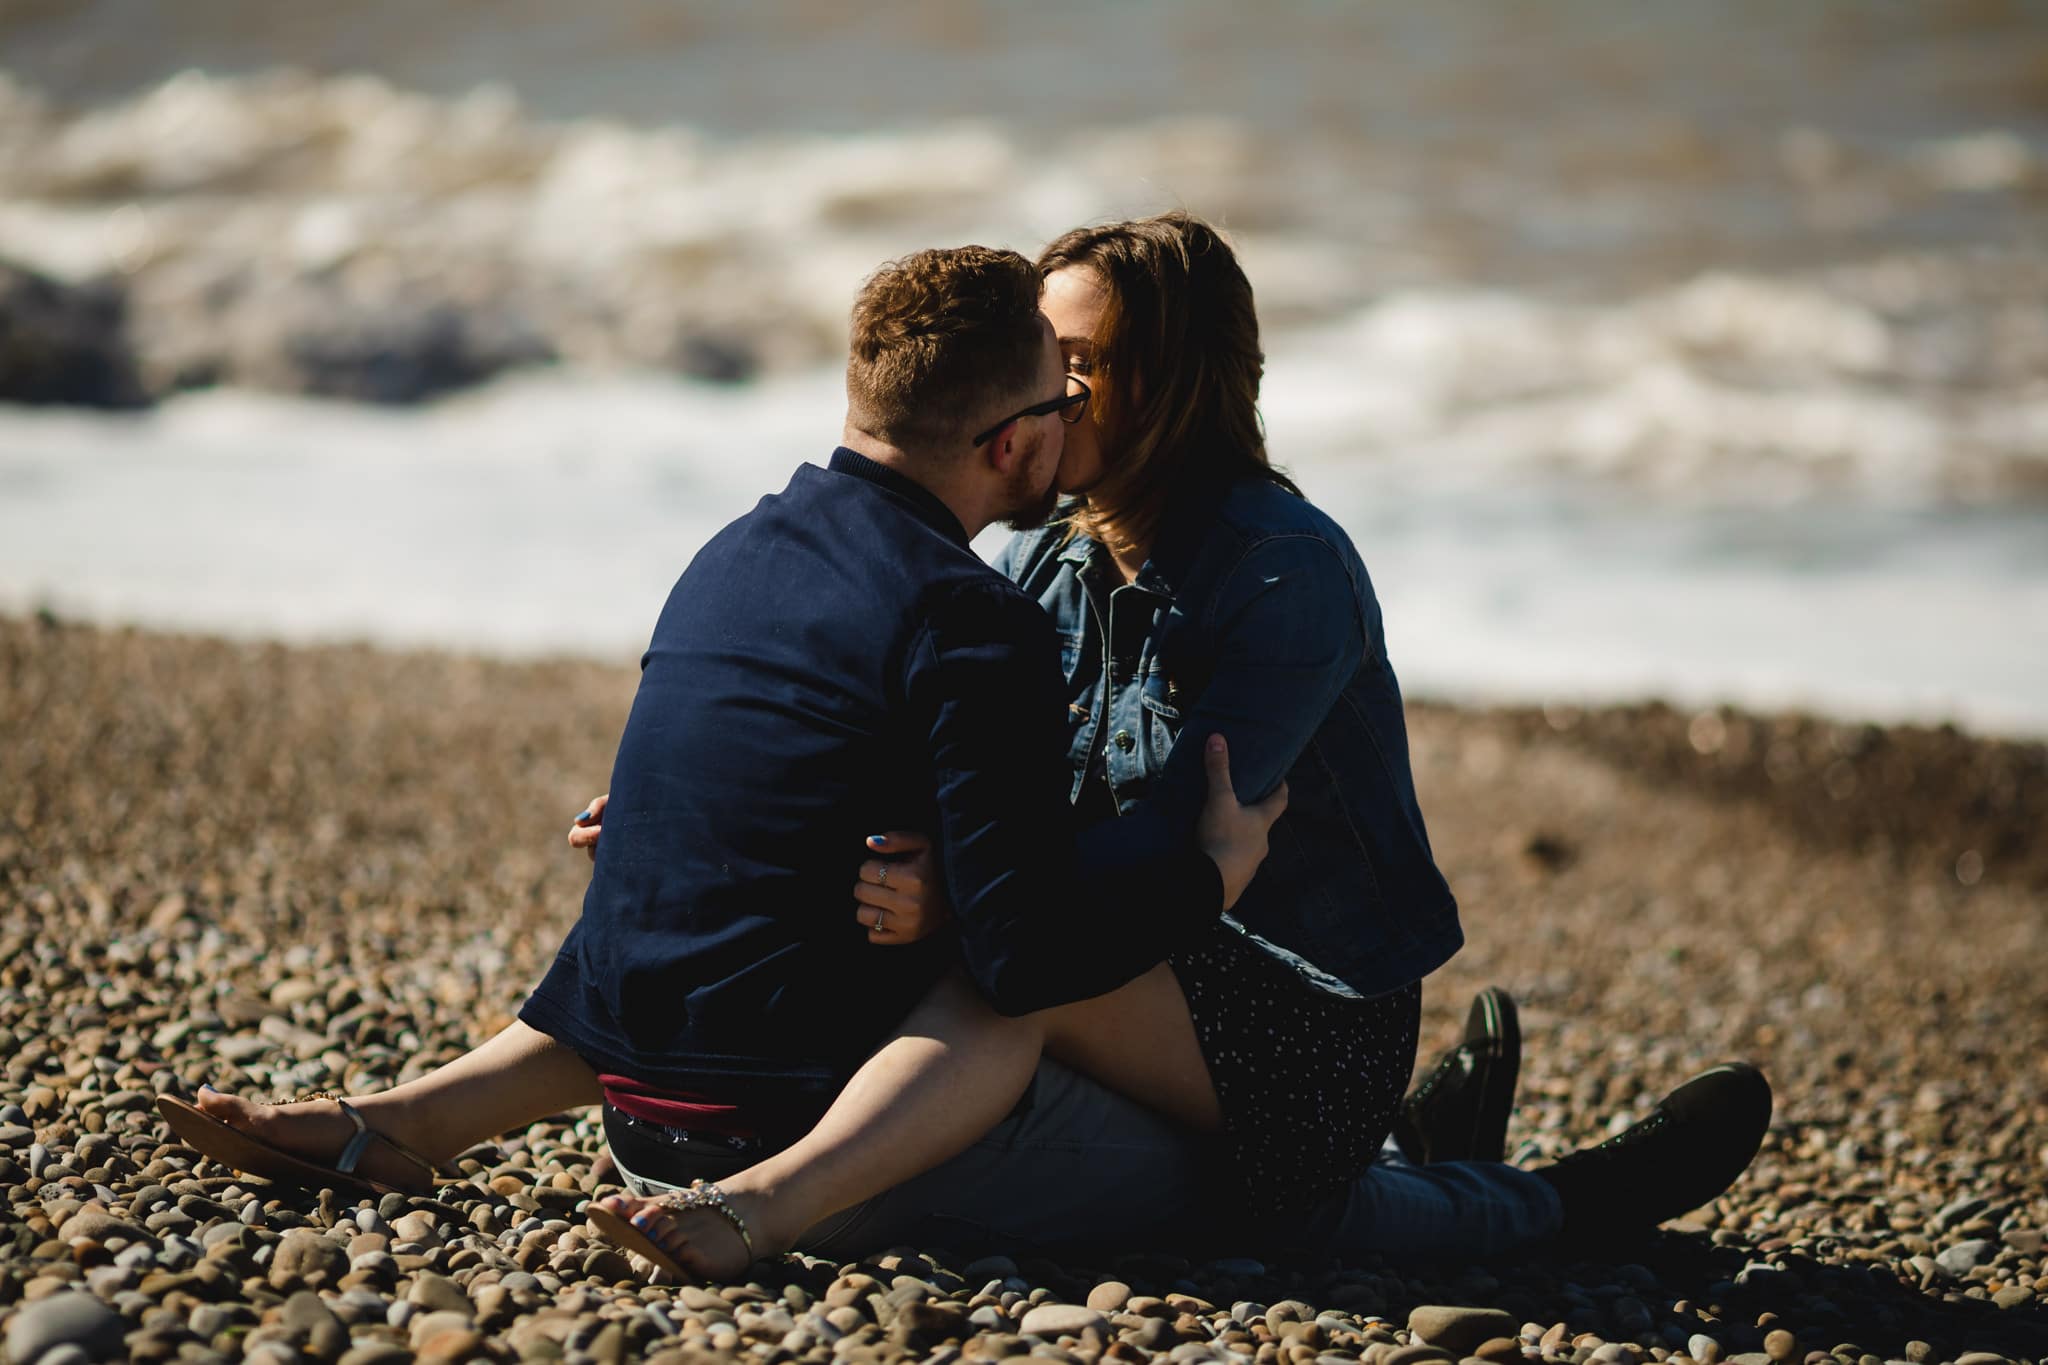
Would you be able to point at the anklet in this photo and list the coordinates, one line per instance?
(702, 1194)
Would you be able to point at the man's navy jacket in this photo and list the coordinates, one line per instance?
(835, 663)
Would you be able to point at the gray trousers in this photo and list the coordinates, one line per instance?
(1076, 1162)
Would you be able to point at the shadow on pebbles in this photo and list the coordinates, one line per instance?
(283, 869)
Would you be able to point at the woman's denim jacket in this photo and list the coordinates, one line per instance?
(1254, 616)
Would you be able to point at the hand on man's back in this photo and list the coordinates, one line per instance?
(1234, 834)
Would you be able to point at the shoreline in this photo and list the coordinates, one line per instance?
(275, 867)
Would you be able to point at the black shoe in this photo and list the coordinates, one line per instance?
(1460, 1110)
(1691, 1148)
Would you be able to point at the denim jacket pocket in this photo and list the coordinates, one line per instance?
(1070, 653)
(1159, 698)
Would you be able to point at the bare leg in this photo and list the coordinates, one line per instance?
(951, 1074)
(518, 1076)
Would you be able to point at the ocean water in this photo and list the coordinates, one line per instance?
(1645, 349)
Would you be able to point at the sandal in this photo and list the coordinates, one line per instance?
(230, 1146)
(700, 1195)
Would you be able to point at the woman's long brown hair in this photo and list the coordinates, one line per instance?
(1176, 370)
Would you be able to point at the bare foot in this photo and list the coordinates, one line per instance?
(317, 1131)
(701, 1241)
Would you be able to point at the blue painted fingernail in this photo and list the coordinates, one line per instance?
(878, 839)
(581, 816)
(205, 1085)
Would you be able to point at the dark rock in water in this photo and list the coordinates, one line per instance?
(69, 1319)
(376, 350)
(721, 359)
(62, 343)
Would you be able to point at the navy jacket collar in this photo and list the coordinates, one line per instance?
(922, 500)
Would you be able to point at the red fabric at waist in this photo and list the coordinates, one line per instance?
(676, 1108)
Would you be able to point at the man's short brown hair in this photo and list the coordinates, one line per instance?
(943, 341)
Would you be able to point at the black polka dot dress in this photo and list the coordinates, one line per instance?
(1309, 1080)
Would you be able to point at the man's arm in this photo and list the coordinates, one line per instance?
(1039, 924)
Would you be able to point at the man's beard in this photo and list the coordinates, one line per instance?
(1028, 508)
(1035, 514)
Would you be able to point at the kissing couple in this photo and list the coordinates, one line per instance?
(1153, 902)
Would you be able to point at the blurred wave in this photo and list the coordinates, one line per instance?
(338, 236)
(550, 511)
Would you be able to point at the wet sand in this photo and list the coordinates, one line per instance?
(278, 868)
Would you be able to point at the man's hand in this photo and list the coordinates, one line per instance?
(897, 899)
(1234, 835)
(583, 833)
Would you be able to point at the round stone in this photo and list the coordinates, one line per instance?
(100, 1227)
(1458, 1329)
(1415, 1354)
(1061, 1319)
(437, 1294)
(64, 1319)
(306, 1258)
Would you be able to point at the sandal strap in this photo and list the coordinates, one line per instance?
(359, 1142)
(702, 1194)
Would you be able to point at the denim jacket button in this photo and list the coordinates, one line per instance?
(1124, 741)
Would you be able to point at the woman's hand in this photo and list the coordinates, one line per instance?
(1234, 835)
(897, 898)
(583, 833)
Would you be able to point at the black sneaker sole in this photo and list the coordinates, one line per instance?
(1493, 1017)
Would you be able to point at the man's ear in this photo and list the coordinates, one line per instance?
(1004, 451)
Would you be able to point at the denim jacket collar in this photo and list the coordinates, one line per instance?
(921, 499)
(1190, 516)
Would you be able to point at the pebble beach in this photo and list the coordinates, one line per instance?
(278, 869)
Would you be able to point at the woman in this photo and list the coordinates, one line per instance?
(1195, 591)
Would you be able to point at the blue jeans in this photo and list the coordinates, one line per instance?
(1076, 1162)
(1453, 1210)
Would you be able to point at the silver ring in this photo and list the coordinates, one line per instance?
(877, 925)
(882, 877)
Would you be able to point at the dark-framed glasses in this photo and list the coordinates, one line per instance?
(1071, 406)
